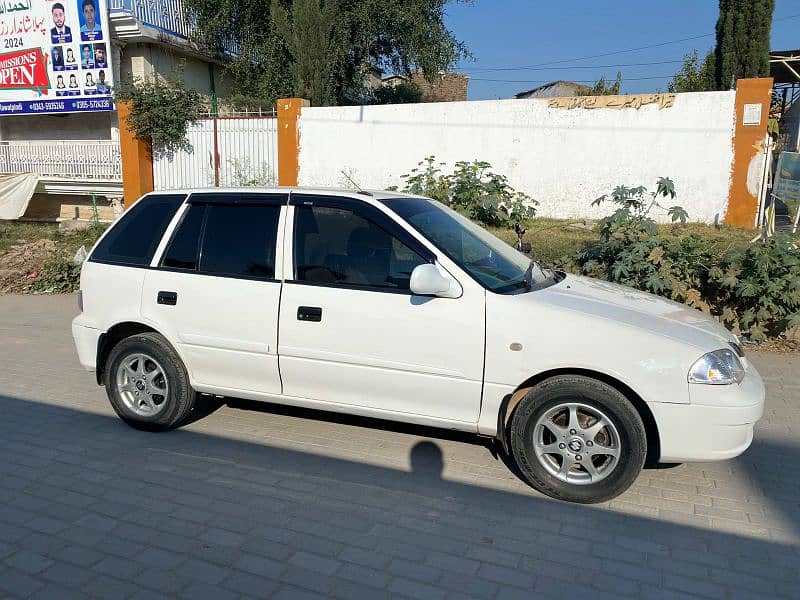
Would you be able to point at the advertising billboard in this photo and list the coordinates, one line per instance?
(54, 57)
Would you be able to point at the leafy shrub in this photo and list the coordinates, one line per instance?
(59, 275)
(755, 288)
(758, 287)
(161, 110)
(473, 189)
(426, 179)
(631, 252)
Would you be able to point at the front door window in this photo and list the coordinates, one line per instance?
(337, 246)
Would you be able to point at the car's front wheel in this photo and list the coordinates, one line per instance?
(579, 439)
(147, 384)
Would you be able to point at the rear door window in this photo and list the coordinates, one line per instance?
(230, 235)
(240, 240)
(133, 240)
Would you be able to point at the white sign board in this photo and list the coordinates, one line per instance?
(752, 114)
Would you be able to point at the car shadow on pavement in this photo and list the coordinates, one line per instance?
(356, 420)
(763, 467)
(88, 502)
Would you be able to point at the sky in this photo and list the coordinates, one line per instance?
(549, 38)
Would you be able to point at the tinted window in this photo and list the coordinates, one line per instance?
(338, 246)
(239, 240)
(492, 262)
(184, 246)
(133, 240)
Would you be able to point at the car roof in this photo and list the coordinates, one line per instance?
(349, 192)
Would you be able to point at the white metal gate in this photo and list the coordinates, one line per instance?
(226, 152)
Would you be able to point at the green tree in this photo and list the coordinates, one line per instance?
(161, 109)
(274, 55)
(307, 33)
(743, 31)
(694, 75)
(605, 88)
(406, 92)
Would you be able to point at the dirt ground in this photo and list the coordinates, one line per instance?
(21, 263)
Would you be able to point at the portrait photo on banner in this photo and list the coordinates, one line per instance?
(60, 32)
(89, 21)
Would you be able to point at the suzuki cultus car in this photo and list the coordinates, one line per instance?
(396, 307)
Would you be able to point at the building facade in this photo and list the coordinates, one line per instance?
(64, 125)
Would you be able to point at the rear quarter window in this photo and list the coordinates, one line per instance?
(132, 241)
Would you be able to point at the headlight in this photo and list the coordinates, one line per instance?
(720, 367)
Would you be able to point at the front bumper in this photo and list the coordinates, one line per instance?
(717, 424)
(86, 339)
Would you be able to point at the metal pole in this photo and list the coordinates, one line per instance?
(216, 154)
(95, 214)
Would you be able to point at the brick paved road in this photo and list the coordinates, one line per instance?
(261, 501)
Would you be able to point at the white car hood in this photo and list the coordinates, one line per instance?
(625, 305)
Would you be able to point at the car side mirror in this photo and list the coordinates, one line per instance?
(427, 280)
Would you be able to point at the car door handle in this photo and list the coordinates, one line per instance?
(309, 313)
(168, 298)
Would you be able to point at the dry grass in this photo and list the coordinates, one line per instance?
(553, 239)
(14, 233)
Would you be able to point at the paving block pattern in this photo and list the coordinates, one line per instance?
(260, 501)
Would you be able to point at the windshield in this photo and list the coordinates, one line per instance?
(496, 265)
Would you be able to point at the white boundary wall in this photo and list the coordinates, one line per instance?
(563, 158)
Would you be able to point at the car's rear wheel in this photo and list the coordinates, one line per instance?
(147, 384)
(576, 438)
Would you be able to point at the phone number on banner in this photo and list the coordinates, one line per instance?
(55, 106)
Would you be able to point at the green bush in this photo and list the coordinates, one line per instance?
(753, 288)
(757, 288)
(474, 190)
(161, 110)
(59, 276)
(630, 250)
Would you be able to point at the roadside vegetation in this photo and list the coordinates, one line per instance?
(753, 288)
(38, 258)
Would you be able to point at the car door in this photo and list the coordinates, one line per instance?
(351, 331)
(216, 290)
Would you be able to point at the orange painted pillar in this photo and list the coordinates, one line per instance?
(752, 114)
(137, 159)
(289, 139)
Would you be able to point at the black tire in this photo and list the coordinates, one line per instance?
(547, 395)
(180, 397)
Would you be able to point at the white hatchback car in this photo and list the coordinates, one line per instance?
(396, 307)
